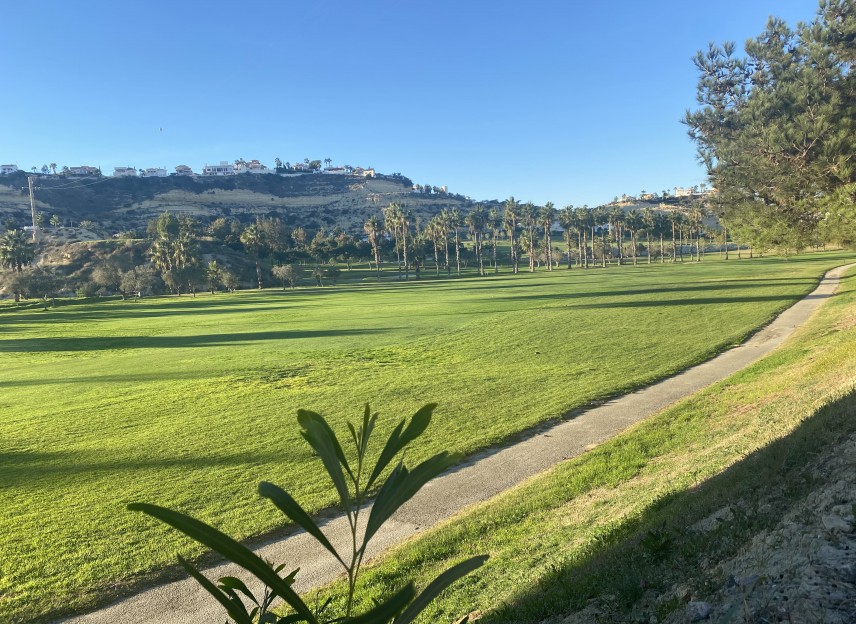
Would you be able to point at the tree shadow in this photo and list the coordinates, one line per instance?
(631, 557)
(105, 343)
(23, 468)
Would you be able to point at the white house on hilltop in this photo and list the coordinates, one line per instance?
(253, 166)
(184, 170)
(8, 169)
(119, 172)
(154, 172)
(223, 169)
(83, 170)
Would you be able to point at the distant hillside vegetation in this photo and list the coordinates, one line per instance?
(311, 201)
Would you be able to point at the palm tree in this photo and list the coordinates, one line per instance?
(494, 222)
(567, 219)
(404, 219)
(213, 273)
(583, 222)
(648, 220)
(528, 217)
(616, 222)
(277, 162)
(445, 219)
(16, 252)
(251, 239)
(546, 216)
(476, 221)
(53, 167)
(434, 231)
(634, 224)
(696, 220)
(509, 219)
(391, 223)
(456, 222)
(373, 229)
(328, 161)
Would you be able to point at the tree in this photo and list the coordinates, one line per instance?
(476, 221)
(568, 221)
(16, 250)
(138, 281)
(107, 275)
(251, 239)
(455, 222)
(392, 224)
(55, 221)
(288, 274)
(213, 275)
(546, 216)
(374, 230)
(230, 281)
(509, 219)
(494, 223)
(775, 127)
(53, 168)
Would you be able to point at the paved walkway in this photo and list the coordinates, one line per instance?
(480, 478)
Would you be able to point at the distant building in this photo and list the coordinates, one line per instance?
(647, 196)
(119, 172)
(154, 172)
(83, 170)
(7, 169)
(184, 170)
(366, 173)
(683, 192)
(335, 170)
(223, 169)
(253, 166)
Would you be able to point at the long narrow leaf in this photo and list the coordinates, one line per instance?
(437, 585)
(319, 439)
(236, 584)
(291, 508)
(387, 609)
(304, 416)
(232, 550)
(398, 439)
(236, 609)
(401, 485)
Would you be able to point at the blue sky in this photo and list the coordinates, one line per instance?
(570, 102)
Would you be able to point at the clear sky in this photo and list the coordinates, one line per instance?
(563, 101)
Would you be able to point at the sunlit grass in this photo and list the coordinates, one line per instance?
(614, 523)
(190, 402)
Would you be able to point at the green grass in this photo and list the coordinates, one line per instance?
(191, 402)
(609, 530)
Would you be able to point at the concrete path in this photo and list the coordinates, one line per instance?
(478, 479)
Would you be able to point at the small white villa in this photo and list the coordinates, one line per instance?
(184, 170)
(8, 169)
(121, 172)
(252, 166)
(223, 169)
(154, 172)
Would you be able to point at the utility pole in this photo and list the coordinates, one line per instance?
(33, 209)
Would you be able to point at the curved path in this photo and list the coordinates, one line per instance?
(476, 480)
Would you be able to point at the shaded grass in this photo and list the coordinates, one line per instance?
(111, 402)
(611, 529)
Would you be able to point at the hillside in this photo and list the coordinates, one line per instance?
(312, 201)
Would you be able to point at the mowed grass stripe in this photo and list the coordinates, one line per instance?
(190, 402)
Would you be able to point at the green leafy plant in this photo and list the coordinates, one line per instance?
(354, 481)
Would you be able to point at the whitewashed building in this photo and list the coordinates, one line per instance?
(154, 172)
(83, 170)
(223, 169)
(120, 172)
(184, 170)
(252, 166)
(7, 169)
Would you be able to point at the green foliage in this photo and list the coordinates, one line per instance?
(353, 487)
(777, 128)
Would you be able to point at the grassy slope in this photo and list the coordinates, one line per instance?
(611, 525)
(191, 402)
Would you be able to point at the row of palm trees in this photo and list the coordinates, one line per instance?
(593, 236)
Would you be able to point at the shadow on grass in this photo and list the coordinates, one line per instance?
(657, 549)
(19, 468)
(29, 345)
